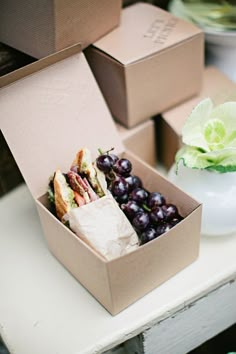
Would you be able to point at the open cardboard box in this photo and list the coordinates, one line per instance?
(46, 117)
(217, 86)
(140, 140)
(42, 27)
(150, 63)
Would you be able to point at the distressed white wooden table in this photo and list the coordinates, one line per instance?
(43, 309)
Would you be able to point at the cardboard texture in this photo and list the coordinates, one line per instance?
(150, 63)
(216, 86)
(57, 107)
(39, 65)
(42, 27)
(141, 141)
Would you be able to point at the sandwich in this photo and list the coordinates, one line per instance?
(82, 201)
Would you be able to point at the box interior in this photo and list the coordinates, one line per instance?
(157, 30)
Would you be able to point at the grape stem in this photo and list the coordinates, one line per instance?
(145, 207)
(105, 152)
(111, 176)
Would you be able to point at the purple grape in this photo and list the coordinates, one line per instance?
(157, 215)
(129, 180)
(148, 235)
(167, 226)
(122, 199)
(134, 182)
(139, 195)
(170, 211)
(114, 158)
(160, 229)
(123, 167)
(137, 182)
(175, 221)
(131, 208)
(155, 199)
(119, 187)
(163, 227)
(104, 163)
(141, 221)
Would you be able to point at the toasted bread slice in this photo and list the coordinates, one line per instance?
(85, 166)
(64, 195)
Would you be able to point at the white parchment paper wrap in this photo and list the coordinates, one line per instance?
(103, 226)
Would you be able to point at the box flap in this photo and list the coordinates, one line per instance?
(144, 30)
(216, 85)
(48, 116)
(40, 64)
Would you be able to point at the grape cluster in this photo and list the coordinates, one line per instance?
(148, 213)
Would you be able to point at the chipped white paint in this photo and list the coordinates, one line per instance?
(195, 324)
(43, 309)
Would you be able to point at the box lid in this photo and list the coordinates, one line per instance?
(216, 85)
(49, 115)
(144, 30)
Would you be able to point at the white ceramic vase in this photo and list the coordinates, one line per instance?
(221, 51)
(216, 191)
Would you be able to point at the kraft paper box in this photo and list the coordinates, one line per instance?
(216, 86)
(150, 63)
(140, 140)
(42, 27)
(57, 107)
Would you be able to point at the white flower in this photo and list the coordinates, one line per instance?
(209, 135)
(211, 128)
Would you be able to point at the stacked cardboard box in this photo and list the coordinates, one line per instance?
(151, 62)
(145, 69)
(141, 140)
(40, 28)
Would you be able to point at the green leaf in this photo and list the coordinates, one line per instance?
(222, 157)
(221, 160)
(225, 161)
(51, 196)
(222, 169)
(192, 157)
